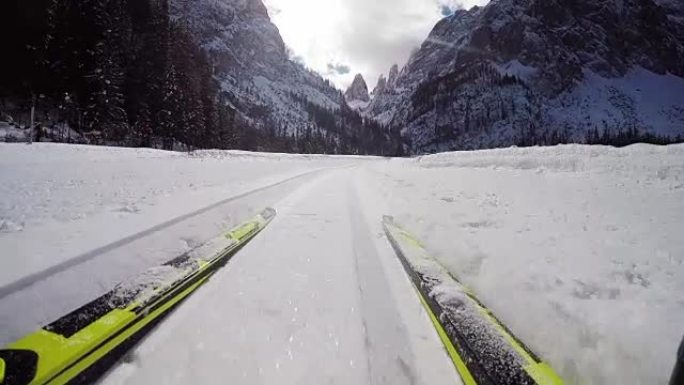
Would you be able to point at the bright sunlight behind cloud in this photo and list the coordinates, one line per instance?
(339, 38)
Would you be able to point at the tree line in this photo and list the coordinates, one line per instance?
(119, 70)
(123, 72)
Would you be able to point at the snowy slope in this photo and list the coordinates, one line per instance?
(576, 248)
(641, 98)
(252, 64)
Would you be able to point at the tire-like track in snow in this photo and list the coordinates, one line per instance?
(46, 295)
(29, 280)
(317, 297)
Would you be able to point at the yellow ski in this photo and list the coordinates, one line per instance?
(78, 347)
(482, 349)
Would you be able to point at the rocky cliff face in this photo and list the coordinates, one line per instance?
(541, 71)
(252, 64)
(380, 86)
(358, 90)
(393, 73)
(272, 93)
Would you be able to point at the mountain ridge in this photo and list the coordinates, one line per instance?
(531, 72)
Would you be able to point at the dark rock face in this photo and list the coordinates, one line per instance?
(518, 71)
(252, 63)
(380, 87)
(394, 72)
(272, 93)
(358, 90)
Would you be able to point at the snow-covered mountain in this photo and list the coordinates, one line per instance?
(252, 63)
(541, 71)
(268, 90)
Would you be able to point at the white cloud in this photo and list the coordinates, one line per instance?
(368, 36)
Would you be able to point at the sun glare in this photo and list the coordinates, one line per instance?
(339, 38)
(311, 29)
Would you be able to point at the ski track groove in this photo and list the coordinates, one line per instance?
(387, 345)
(33, 278)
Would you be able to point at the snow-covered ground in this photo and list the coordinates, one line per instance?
(577, 249)
(75, 220)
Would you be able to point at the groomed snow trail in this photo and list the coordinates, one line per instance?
(55, 290)
(306, 302)
(577, 249)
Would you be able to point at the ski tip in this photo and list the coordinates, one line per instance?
(268, 213)
(461, 327)
(388, 219)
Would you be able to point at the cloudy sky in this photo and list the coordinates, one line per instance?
(339, 38)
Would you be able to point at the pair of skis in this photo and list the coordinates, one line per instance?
(83, 344)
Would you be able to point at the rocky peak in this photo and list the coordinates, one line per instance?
(257, 7)
(358, 90)
(380, 87)
(393, 74)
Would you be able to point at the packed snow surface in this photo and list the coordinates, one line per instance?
(577, 249)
